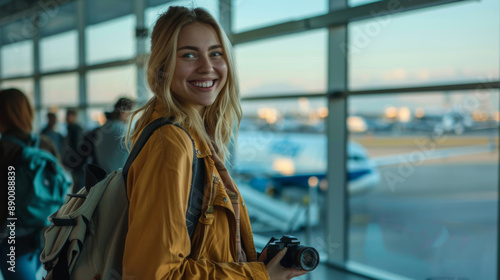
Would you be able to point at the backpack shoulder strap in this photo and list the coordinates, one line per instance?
(14, 140)
(141, 142)
(197, 178)
(34, 141)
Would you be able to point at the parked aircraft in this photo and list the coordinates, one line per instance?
(271, 161)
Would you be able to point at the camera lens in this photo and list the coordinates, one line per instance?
(308, 258)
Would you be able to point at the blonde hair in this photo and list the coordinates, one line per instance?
(219, 119)
(16, 111)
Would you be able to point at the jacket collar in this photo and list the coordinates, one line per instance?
(202, 148)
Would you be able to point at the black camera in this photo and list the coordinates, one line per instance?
(297, 256)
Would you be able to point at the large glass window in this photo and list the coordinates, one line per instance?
(59, 51)
(285, 65)
(60, 90)
(259, 13)
(107, 85)
(428, 167)
(101, 47)
(456, 43)
(17, 59)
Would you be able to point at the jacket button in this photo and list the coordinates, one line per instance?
(198, 152)
(224, 199)
(243, 203)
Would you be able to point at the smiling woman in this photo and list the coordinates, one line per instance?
(192, 75)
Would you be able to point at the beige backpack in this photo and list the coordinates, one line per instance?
(86, 237)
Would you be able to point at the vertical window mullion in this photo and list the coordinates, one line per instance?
(81, 12)
(36, 75)
(336, 207)
(141, 36)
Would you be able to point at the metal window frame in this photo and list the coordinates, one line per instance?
(81, 24)
(36, 73)
(141, 38)
(338, 15)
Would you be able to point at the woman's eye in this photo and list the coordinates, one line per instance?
(188, 55)
(216, 53)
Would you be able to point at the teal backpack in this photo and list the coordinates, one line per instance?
(40, 181)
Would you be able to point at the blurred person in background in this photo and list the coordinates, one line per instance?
(51, 131)
(71, 156)
(16, 120)
(103, 146)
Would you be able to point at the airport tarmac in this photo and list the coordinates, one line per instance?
(441, 222)
(437, 220)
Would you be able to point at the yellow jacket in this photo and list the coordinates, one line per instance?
(157, 245)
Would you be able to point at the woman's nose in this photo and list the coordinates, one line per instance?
(205, 65)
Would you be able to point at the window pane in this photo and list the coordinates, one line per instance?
(260, 13)
(354, 3)
(24, 85)
(152, 13)
(107, 85)
(280, 153)
(101, 47)
(61, 19)
(455, 43)
(59, 51)
(60, 90)
(285, 65)
(17, 59)
(103, 11)
(429, 167)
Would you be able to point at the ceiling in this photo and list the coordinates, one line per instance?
(13, 7)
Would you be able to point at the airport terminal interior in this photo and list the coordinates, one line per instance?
(370, 128)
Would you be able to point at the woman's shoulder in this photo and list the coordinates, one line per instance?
(168, 147)
(170, 137)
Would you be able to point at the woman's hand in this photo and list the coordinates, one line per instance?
(278, 272)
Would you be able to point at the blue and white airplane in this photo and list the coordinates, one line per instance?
(276, 160)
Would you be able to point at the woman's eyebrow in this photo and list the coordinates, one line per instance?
(214, 47)
(197, 49)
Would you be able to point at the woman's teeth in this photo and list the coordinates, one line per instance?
(203, 84)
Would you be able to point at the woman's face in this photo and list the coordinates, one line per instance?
(200, 67)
